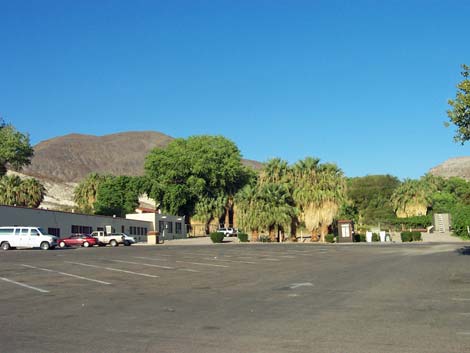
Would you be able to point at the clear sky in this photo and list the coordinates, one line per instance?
(360, 83)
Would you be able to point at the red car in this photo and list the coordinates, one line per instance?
(84, 240)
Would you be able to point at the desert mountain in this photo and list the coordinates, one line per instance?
(458, 167)
(60, 163)
(70, 158)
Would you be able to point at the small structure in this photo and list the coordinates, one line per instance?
(345, 231)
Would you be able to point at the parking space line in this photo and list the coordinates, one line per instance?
(24, 285)
(144, 264)
(148, 258)
(236, 261)
(114, 269)
(269, 259)
(201, 264)
(66, 274)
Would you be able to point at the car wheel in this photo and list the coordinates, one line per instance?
(6, 246)
(113, 243)
(62, 244)
(86, 244)
(45, 245)
(127, 243)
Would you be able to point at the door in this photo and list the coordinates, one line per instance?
(34, 239)
(345, 231)
(23, 240)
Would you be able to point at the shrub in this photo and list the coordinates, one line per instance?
(375, 237)
(406, 237)
(264, 239)
(243, 237)
(217, 237)
(330, 238)
(416, 236)
(359, 237)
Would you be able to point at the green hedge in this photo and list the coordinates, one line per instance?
(330, 238)
(410, 236)
(359, 238)
(375, 237)
(217, 237)
(264, 239)
(243, 237)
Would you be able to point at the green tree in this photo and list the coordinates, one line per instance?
(85, 193)
(189, 170)
(117, 196)
(208, 209)
(370, 198)
(15, 149)
(249, 210)
(413, 198)
(319, 192)
(21, 192)
(459, 114)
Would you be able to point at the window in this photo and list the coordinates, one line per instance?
(34, 232)
(100, 229)
(178, 228)
(54, 231)
(161, 226)
(122, 229)
(4, 231)
(169, 227)
(82, 229)
(24, 231)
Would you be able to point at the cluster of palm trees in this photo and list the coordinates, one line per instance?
(15, 191)
(85, 193)
(285, 196)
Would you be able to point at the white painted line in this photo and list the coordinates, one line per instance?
(461, 299)
(113, 269)
(298, 285)
(288, 257)
(144, 264)
(179, 269)
(201, 264)
(235, 261)
(269, 259)
(24, 285)
(65, 274)
(465, 333)
(148, 258)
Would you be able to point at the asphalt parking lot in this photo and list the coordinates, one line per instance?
(237, 298)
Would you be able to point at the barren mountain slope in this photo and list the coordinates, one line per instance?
(70, 158)
(459, 167)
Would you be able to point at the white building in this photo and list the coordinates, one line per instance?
(63, 224)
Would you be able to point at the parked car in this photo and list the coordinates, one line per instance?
(104, 238)
(26, 237)
(128, 240)
(84, 240)
(228, 232)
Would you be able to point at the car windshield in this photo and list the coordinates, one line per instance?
(42, 231)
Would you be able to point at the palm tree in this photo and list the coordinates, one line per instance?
(275, 171)
(209, 208)
(277, 208)
(249, 211)
(85, 193)
(413, 197)
(10, 189)
(31, 193)
(319, 191)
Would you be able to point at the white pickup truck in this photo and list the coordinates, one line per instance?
(105, 239)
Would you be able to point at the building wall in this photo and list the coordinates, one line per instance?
(64, 223)
(171, 227)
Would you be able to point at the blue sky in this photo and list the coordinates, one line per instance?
(360, 83)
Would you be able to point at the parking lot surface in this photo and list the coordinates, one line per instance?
(237, 298)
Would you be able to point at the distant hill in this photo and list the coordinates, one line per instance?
(71, 157)
(62, 162)
(453, 167)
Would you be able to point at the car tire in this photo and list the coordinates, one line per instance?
(6, 246)
(86, 244)
(62, 244)
(127, 243)
(45, 245)
(113, 243)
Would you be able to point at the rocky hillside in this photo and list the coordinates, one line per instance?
(60, 163)
(459, 167)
